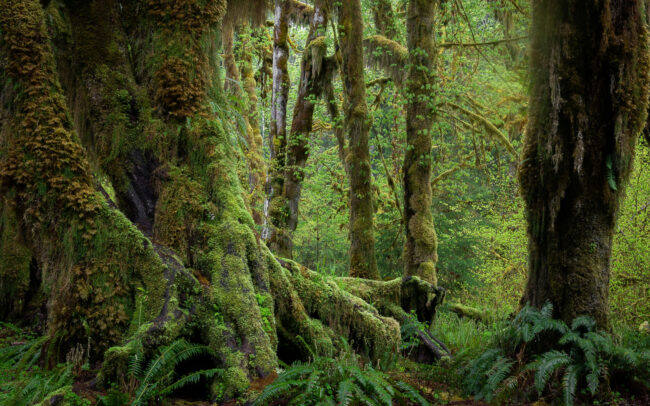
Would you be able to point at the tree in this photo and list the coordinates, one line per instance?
(362, 240)
(143, 234)
(316, 71)
(588, 104)
(279, 240)
(420, 251)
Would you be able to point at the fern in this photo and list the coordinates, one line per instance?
(346, 390)
(570, 383)
(581, 356)
(160, 372)
(408, 392)
(549, 363)
(342, 381)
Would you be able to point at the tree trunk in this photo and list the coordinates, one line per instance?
(139, 85)
(384, 17)
(420, 251)
(588, 105)
(315, 73)
(362, 239)
(279, 240)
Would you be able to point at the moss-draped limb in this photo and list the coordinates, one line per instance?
(346, 314)
(420, 251)
(388, 55)
(589, 99)
(362, 240)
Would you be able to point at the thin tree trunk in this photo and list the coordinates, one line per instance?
(313, 75)
(588, 105)
(279, 240)
(362, 239)
(384, 17)
(257, 174)
(420, 252)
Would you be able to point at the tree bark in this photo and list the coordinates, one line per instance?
(588, 105)
(362, 239)
(420, 251)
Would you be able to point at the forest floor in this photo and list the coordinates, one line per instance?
(440, 384)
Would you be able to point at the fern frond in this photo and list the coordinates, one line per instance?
(345, 392)
(296, 371)
(586, 322)
(496, 375)
(549, 363)
(411, 394)
(273, 391)
(191, 378)
(570, 383)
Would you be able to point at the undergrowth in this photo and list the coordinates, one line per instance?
(342, 380)
(577, 361)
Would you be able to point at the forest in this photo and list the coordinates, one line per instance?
(324, 202)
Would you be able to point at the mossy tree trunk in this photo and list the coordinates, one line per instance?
(315, 72)
(420, 250)
(254, 153)
(279, 240)
(142, 234)
(384, 17)
(362, 240)
(588, 105)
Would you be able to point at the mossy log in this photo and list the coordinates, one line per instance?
(469, 312)
(122, 219)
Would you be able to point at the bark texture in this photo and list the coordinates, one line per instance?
(420, 250)
(588, 105)
(362, 239)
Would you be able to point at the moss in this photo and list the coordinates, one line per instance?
(347, 315)
(57, 397)
(387, 54)
(15, 258)
(420, 249)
